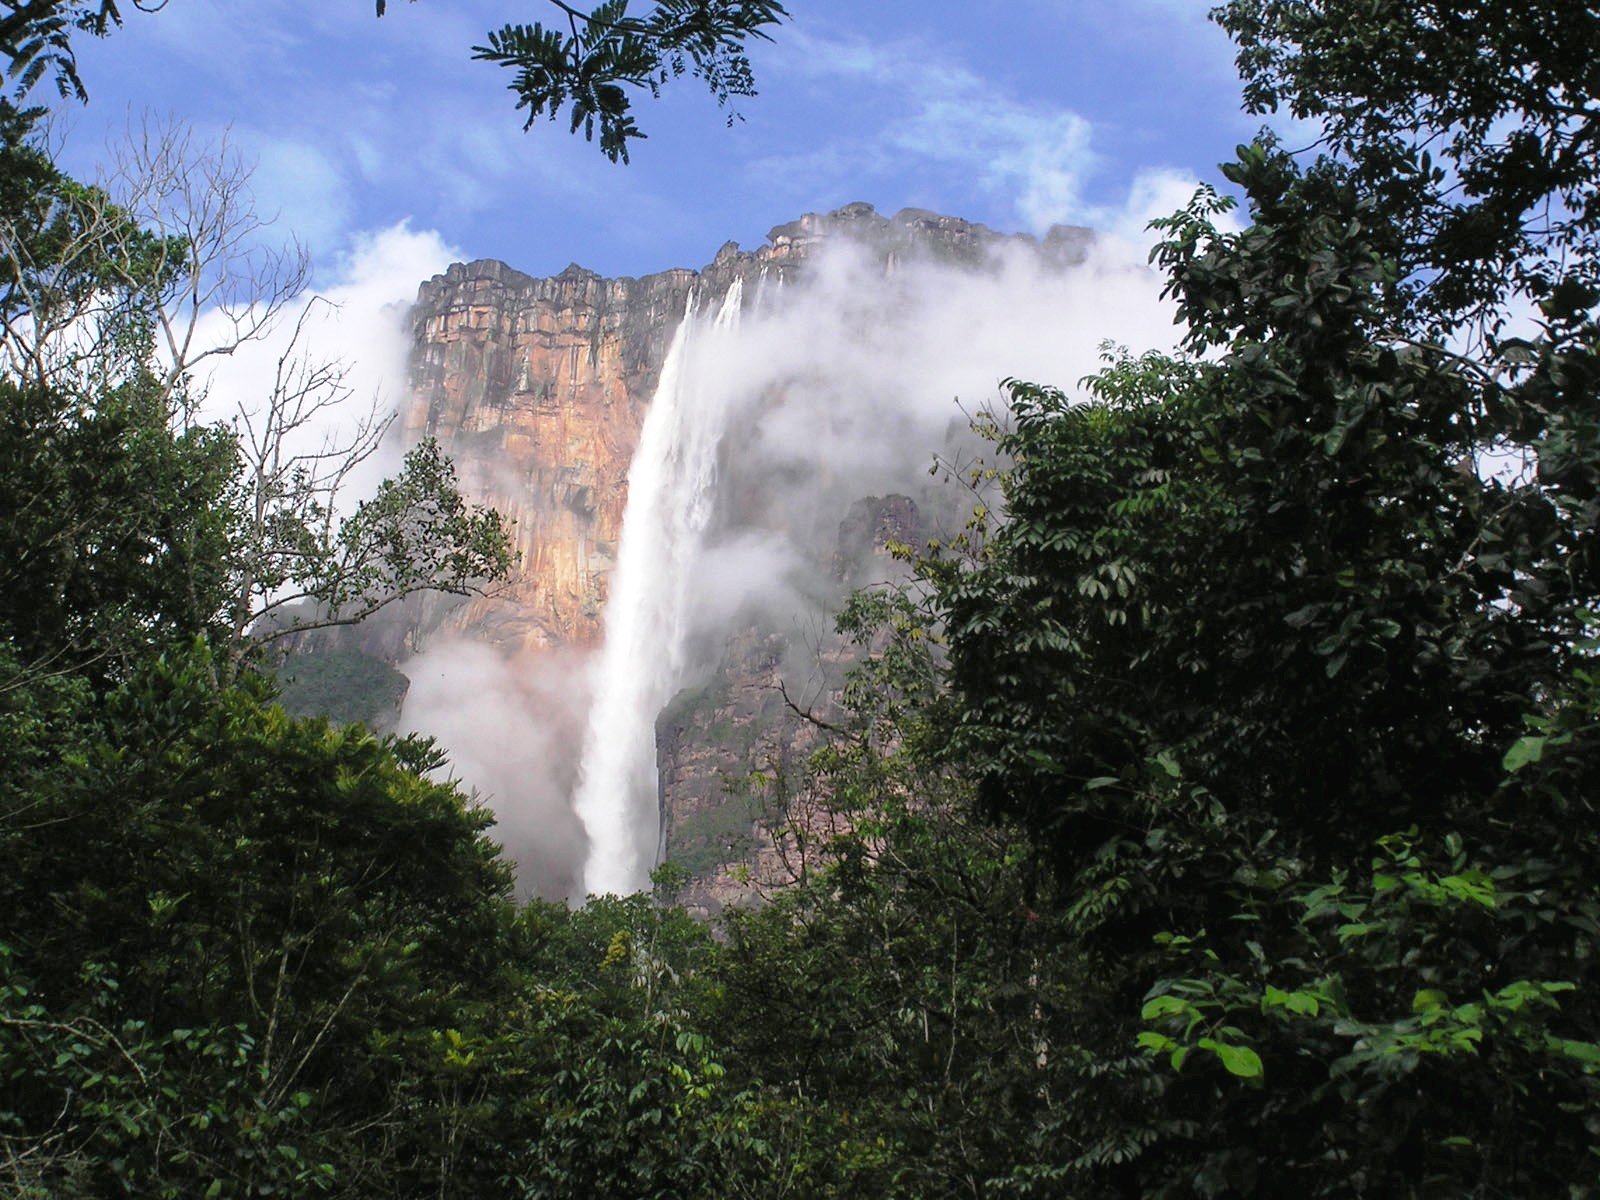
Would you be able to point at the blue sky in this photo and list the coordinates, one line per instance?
(1017, 113)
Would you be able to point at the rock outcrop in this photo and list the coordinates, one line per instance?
(737, 814)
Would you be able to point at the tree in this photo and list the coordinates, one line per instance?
(226, 934)
(1475, 125)
(118, 529)
(137, 521)
(914, 1013)
(604, 52)
(1256, 651)
(300, 563)
(36, 37)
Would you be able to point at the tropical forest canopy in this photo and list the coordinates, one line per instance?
(1224, 813)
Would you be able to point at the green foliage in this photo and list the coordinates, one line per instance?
(417, 533)
(219, 921)
(617, 1089)
(913, 1016)
(590, 65)
(1391, 1016)
(118, 530)
(1256, 608)
(241, 910)
(118, 523)
(909, 1018)
(124, 1103)
(1472, 124)
(343, 685)
(36, 38)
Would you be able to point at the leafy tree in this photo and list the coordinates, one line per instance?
(229, 937)
(417, 533)
(1256, 653)
(617, 1086)
(116, 1092)
(591, 64)
(912, 1015)
(118, 530)
(245, 918)
(1473, 124)
(77, 272)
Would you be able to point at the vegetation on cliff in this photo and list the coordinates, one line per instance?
(1223, 818)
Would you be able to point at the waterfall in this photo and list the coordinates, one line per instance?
(670, 498)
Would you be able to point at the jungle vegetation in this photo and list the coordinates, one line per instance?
(1225, 812)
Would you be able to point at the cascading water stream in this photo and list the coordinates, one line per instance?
(670, 500)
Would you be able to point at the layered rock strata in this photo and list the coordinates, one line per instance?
(537, 388)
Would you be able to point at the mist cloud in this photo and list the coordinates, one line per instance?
(508, 723)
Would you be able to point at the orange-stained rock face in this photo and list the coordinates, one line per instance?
(538, 388)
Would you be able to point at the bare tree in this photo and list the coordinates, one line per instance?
(307, 560)
(291, 478)
(213, 256)
(163, 266)
(103, 281)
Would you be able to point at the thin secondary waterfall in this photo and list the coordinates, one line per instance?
(670, 499)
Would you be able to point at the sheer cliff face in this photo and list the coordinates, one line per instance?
(538, 388)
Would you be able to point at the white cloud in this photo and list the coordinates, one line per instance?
(1036, 155)
(1038, 160)
(357, 319)
(1154, 192)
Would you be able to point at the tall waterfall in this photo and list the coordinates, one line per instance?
(670, 498)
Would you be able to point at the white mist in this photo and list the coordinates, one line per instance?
(670, 500)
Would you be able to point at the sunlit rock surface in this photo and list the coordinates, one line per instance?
(537, 388)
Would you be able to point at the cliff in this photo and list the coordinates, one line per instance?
(538, 387)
